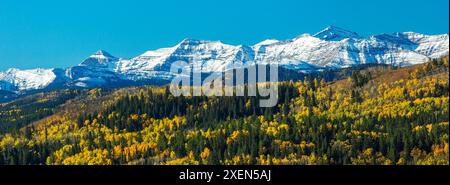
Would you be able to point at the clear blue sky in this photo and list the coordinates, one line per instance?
(56, 33)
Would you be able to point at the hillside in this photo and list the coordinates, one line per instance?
(378, 115)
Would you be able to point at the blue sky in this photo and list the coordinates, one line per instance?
(55, 33)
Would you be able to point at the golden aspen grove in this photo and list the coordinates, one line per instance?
(377, 115)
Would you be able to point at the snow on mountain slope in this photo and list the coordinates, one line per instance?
(96, 70)
(266, 42)
(432, 46)
(304, 48)
(100, 59)
(19, 80)
(332, 47)
(207, 56)
(145, 62)
(337, 48)
(333, 33)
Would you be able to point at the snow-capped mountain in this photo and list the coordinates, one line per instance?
(22, 80)
(332, 47)
(100, 60)
(333, 33)
(96, 70)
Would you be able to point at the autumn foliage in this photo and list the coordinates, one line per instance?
(377, 116)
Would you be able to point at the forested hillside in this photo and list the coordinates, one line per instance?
(379, 115)
(16, 114)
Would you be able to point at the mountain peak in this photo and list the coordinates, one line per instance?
(102, 54)
(332, 48)
(12, 70)
(334, 33)
(189, 41)
(267, 42)
(101, 58)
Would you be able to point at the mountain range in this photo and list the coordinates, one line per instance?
(331, 48)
